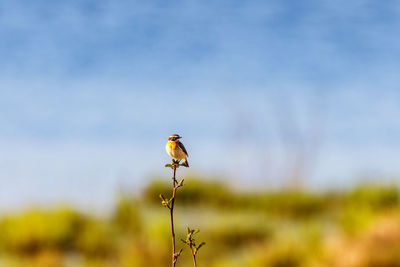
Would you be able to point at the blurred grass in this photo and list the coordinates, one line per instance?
(358, 227)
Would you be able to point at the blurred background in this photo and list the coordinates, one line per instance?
(290, 112)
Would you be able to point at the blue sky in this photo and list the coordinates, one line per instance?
(259, 89)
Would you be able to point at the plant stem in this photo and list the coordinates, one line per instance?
(194, 257)
(171, 212)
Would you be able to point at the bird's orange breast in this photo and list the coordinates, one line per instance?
(172, 145)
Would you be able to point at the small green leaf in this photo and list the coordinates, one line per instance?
(181, 182)
(187, 230)
(179, 253)
(196, 231)
(168, 165)
(202, 244)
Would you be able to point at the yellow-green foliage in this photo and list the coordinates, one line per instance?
(357, 228)
(35, 230)
(214, 193)
(125, 215)
(197, 191)
(374, 196)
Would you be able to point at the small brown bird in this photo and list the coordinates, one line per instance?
(176, 149)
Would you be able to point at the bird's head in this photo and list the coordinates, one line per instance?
(174, 137)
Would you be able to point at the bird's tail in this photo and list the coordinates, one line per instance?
(185, 163)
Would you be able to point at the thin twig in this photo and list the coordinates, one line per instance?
(170, 203)
(171, 212)
(191, 243)
(194, 257)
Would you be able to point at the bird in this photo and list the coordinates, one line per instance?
(176, 149)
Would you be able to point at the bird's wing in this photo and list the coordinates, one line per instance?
(183, 148)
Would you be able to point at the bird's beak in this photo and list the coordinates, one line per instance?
(179, 137)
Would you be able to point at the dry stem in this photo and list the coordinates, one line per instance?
(194, 257)
(170, 205)
(171, 212)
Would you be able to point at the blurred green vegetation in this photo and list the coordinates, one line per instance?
(287, 228)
